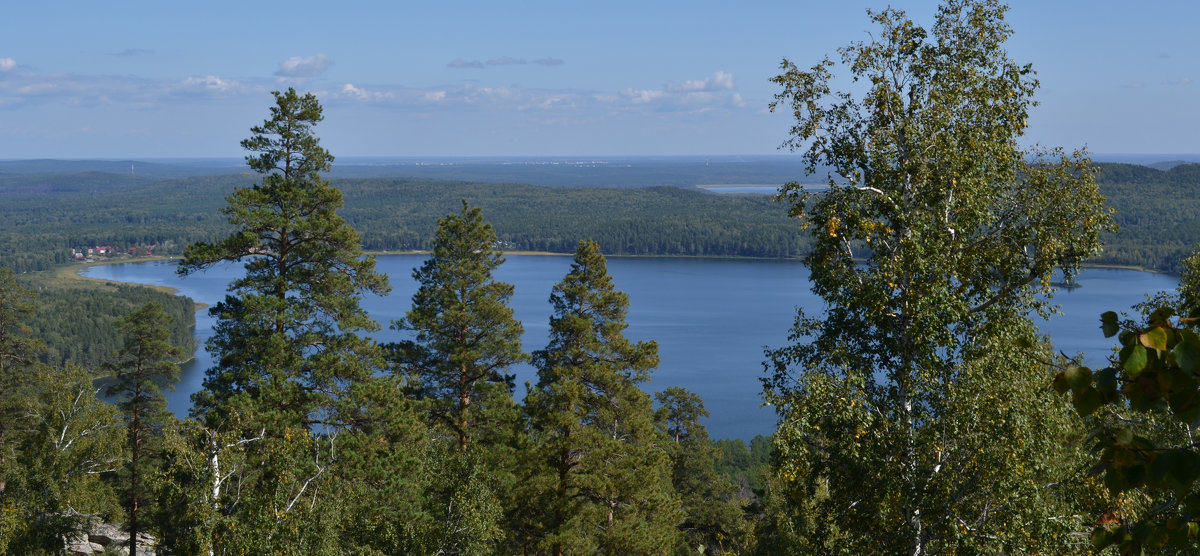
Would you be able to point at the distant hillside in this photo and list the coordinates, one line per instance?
(609, 172)
(118, 167)
(1158, 213)
(43, 217)
(1167, 164)
(43, 221)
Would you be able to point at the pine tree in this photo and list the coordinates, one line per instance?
(17, 349)
(286, 334)
(466, 340)
(143, 365)
(290, 362)
(17, 355)
(466, 336)
(714, 518)
(600, 477)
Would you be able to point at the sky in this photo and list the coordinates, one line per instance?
(153, 79)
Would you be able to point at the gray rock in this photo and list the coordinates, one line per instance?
(107, 533)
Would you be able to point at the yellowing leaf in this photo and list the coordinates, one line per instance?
(1155, 338)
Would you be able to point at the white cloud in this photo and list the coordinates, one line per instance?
(210, 83)
(720, 81)
(435, 96)
(505, 61)
(548, 62)
(304, 68)
(1180, 81)
(362, 94)
(642, 96)
(459, 63)
(695, 95)
(7, 64)
(204, 86)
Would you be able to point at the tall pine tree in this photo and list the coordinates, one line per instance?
(714, 519)
(466, 337)
(290, 362)
(601, 481)
(466, 340)
(144, 364)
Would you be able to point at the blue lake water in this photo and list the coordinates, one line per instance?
(712, 318)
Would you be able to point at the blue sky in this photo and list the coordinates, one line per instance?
(140, 79)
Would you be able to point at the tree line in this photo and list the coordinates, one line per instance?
(47, 216)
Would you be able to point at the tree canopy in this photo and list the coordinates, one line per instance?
(931, 245)
(291, 367)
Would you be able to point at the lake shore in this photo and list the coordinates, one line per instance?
(72, 273)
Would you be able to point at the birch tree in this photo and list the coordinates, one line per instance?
(910, 412)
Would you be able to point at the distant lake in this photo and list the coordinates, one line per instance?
(711, 318)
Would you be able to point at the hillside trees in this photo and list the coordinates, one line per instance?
(56, 438)
(290, 361)
(17, 352)
(714, 518)
(600, 478)
(931, 244)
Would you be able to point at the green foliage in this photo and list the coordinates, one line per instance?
(17, 347)
(291, 369)
(1144, 409)
(714, 518)
(385, 476)
(65, 440)
(142, 367)
(600, 480)
(931, 245)
(18, 350)
(79, 324)
(745, 466)
(466, 336)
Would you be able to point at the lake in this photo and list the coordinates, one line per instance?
(711, 318)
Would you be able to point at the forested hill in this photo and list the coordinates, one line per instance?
(47, 216)
(43, 217)
(1157, 214)
(77, 323)
(608, 172)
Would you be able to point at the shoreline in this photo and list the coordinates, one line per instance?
(73, 272)
(69, 274)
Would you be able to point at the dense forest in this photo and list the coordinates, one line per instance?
(48, 215)
(921, 413)
(77, 323)
(1155, 235)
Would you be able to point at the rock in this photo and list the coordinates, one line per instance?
(107, 538)
(80, 545)
(107, 533)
